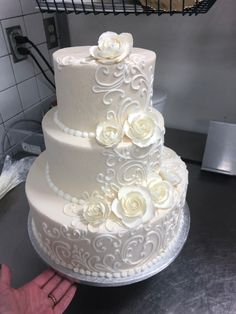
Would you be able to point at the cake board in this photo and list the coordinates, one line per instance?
(165, 259)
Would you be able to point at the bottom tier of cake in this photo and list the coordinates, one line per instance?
(164, 260)
(113, 252)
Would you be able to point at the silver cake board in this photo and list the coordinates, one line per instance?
(165, 259)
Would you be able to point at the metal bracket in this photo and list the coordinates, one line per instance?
(220, 150)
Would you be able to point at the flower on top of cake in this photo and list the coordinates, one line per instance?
(112, 48)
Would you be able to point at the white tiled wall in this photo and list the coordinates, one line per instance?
(7, 78)
(10, 103)
(3, 47)
(23, 89)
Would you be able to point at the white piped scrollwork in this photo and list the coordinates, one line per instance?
(132, 134)
(113, 255)
(94, 210)
(124, 226)
(112, 83)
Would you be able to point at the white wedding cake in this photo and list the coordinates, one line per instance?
(106, 197)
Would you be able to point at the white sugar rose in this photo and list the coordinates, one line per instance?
(144, 128)
(94, 210)
(108, 133)
(133, 206)
(112, 48)
(162, 193)
(170, 176)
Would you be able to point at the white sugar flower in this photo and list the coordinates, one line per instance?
(133, 206)
(162, 193)
(112, 48)
(94, 210)
(170, 176)
(108, 133)
(144, 128)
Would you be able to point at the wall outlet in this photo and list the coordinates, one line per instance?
(12, 32)
(29, 148)
(34, 144)
(50, 32)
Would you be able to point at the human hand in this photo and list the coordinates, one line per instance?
(48, 293)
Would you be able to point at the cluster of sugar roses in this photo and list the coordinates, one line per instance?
(142, 128)
(132, 206)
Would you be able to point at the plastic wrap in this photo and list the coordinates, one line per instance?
(13, 173)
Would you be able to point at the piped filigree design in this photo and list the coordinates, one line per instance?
(104, 254)
(131, 73)
(127, 164)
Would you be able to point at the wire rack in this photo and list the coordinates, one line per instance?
(184, 7)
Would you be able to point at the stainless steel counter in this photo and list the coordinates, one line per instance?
(201, 280)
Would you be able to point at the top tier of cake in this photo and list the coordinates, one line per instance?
(89, 91)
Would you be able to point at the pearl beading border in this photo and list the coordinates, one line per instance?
(59, 192)
(70, 131)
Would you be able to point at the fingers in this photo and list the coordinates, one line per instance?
(51, 284)
(65, 300)
(5, 276)
(61, 289)
(44, 277)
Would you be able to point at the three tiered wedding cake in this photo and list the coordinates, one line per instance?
(106, 197)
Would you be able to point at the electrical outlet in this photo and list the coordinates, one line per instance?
(34, 144)
(50, 32)
(33, 149)
(12, 32)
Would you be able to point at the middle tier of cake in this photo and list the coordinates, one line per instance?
(77, 165)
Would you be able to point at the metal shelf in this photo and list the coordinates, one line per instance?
(159, 7)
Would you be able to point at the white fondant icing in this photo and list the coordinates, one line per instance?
(93, 89)
(162, 193)
(72, 131)
(109, 168)
(134, 251)
(108, 210)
